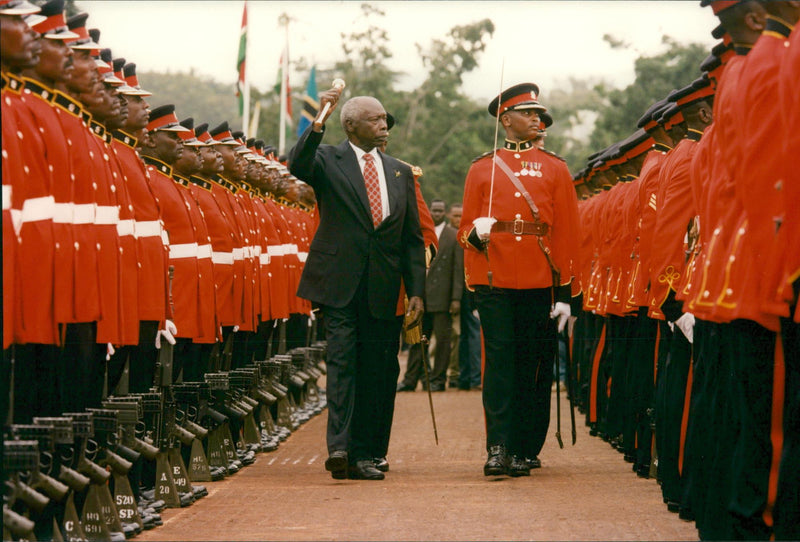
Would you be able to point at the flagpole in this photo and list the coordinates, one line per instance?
(246, 90)
(284, 20)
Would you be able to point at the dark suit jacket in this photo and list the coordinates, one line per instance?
(444, 281)
(346, 247)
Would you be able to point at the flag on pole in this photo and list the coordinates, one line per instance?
(286, 95)
(310, 103)
(240, 62)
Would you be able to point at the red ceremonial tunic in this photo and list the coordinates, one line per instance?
(516, 261)
(675, 211)
(106, 217)
(36, 243)
(39, 98)
(223, 240)
(151, 249)
(789, 239)
(183, 247)
(80, 211)
(208, 332)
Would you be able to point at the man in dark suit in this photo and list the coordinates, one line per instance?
(443, 287)
(368, 238)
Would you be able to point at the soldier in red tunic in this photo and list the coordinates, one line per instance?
(520, 234)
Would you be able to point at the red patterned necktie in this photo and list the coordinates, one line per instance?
(373, 189)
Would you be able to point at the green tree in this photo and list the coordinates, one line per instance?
(656, 76)
(194, 96)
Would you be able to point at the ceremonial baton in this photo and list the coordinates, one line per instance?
(339, 85)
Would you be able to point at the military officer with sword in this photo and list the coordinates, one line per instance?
(519, 231)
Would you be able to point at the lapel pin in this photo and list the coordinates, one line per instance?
(396, 173)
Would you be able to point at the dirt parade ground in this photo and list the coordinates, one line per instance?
(583, 492)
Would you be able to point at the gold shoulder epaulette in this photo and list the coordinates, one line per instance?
(484, 155)
(416, 171)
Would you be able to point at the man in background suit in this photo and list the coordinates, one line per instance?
(368, 238)
(443, 287)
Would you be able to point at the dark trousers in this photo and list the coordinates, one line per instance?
(641, 373)
(439, 325)
(362, 377)
(711, 433)
(142, 358)
(469, 345)
(37, 381)
(620, 341)
(787, 504)
(670, 414)
(751, 397)
(520, 345)
(83, 360)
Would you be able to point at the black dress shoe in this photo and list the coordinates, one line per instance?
(497, 464)
(405, 387)
(534, 463)
(364, 469)
(437, 387)
(336, 464)
(519, 467)
(381, 464)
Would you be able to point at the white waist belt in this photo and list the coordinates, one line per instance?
(6, 197)
(257, 251)
(264, 259)
(248, 252)
(64, 213)
(291, 249)
(148, 228)
(302, 256)
(36, 209)
(83, 213)
(238, 254)
(186, 250)
(222, 258)
(125, 227)
(204, 251)
(275, 250)
(106, 214)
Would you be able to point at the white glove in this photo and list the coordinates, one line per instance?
(169, 332)
(562, 312)
(483, 226)
(235, 328)
(109, 351)
(686, 324)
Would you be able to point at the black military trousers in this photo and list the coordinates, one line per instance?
(787, 504)
(670, 414)
(520, 345)
(637, 434)
(362, 377)
(751, 388)
(711, 433)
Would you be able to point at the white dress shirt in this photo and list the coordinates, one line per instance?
(381, 176)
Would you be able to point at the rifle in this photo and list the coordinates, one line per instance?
(63, 441)
(46, 523)
(95, 512)
(21, 456)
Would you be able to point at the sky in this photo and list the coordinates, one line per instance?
(545, 42)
